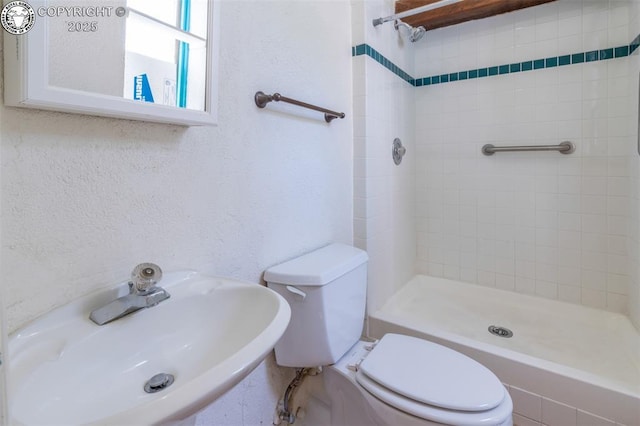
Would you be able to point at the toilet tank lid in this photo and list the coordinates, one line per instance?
(317, 268)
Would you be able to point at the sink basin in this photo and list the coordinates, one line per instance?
(211, 333)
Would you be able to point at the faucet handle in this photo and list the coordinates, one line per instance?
(145, 276)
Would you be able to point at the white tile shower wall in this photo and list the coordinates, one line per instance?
(634, 171)
(539, 223)
(384, 223)
(84, 199)
(552, 29)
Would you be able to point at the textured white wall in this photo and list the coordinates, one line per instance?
(85, 199)
(384, 198)
(539, 223)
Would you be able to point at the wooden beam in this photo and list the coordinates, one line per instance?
(463, 11)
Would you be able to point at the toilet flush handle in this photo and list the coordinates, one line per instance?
(297, 291)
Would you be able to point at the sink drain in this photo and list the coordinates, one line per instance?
(500, 331)
(158, 382)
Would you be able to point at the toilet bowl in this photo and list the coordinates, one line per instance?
(399, 380)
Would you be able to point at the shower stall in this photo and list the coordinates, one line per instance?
(562, 230)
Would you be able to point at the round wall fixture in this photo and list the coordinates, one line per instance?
(398, 151)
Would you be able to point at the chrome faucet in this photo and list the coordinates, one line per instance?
(143, 293)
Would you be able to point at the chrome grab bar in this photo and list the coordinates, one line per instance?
(565, 147)
(263, 99)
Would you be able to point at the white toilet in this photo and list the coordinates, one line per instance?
(399, 380)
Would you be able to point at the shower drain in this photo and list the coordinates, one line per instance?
(500, 331)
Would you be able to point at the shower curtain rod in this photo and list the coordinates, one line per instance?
(427, 7)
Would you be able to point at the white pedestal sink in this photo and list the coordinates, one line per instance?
(211, 333)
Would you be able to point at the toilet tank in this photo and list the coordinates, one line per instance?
(326, 290)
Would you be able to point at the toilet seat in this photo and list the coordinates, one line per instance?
(496, 416)
(432, 382)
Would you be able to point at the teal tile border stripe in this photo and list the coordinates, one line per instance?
(365, 49)
(550, 62)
